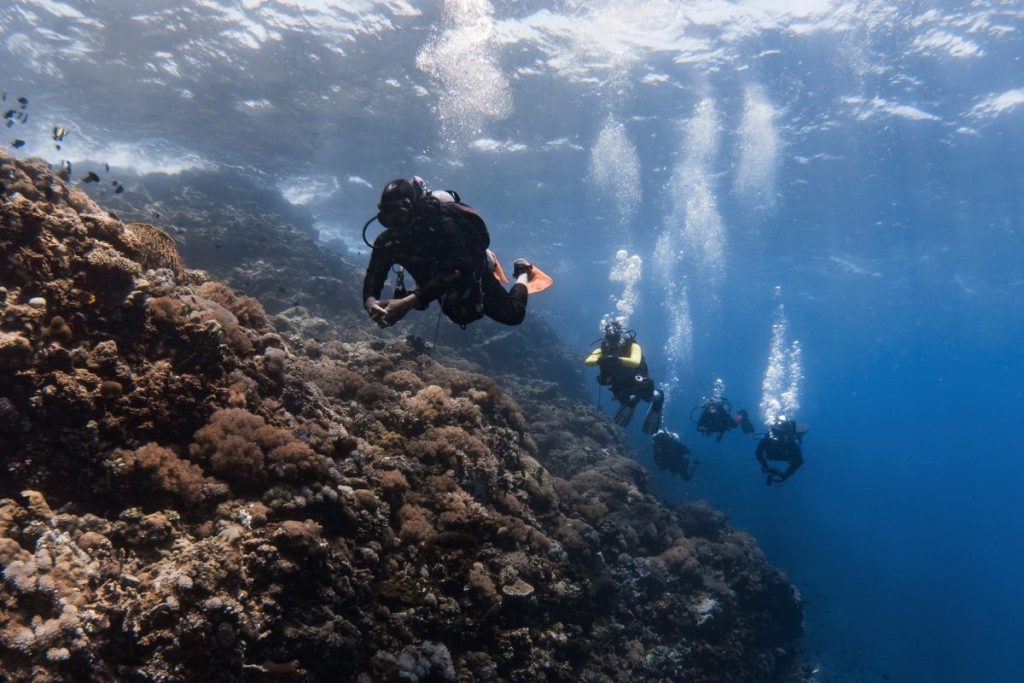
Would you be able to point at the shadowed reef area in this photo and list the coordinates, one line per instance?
(229, 474)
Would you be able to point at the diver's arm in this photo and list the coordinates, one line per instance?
(593, 358)
(794, 465)
(761, 448)
(433, 289)
(634, 357)
(381, 259)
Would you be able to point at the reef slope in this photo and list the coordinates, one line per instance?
(193, 489)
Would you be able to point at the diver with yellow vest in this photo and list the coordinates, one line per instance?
(623, 369)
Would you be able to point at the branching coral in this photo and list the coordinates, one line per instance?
(53, 583)
(246, 309)
(224, 320)
(156, 471)
(245, 451)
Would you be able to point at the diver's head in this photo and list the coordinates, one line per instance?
(663, 438)
(614, 334)
(396, 204)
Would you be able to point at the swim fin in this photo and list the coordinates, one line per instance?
(745, 425)
(652, 421)
(625, 414)
(539, 281)
(495, 264)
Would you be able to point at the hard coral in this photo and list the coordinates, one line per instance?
(157, 474)
(165, 310)
(430, 405)
(109, 272)
(247, 310)
(58, 331)
(154, 248)
(248, 453)
(220, 318)
(15, 351)
(413, 523)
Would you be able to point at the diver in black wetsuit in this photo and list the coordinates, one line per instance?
(670, 454)
(781, 444)
(623, 368)
(715, 418)
(442, 243)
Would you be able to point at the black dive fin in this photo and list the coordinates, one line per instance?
(745, 425)
(625, 414)
(652, 421)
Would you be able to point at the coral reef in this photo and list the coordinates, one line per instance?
(271, 251)
(196, 491)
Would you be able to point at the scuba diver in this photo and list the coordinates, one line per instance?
(782, 444)
(443, 244)
(716, 418)
(670, 454)
(623, 369)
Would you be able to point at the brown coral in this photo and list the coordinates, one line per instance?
(58, 331)
(158, 473)
(246, 309)
(154, 248)
(245, 451)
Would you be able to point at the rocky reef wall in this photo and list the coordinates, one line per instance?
(195, 489)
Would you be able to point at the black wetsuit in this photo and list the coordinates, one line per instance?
(628, 385)
(780, 444)
(445, 253)
(715, 419)
(670, 455)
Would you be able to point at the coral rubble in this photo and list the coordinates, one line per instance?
(196, 490)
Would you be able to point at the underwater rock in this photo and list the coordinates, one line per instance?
(241, 509)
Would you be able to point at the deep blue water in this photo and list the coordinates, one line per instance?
(862, 156)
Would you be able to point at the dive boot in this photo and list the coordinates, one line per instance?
(520, 266)
(652, 421)
(625, 414)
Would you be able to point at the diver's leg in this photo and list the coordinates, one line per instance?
(509, 307)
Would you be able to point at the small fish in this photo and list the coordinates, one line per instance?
(10, 122)
(9, 114)
(90, 177)
(23, 101)
(119, 188)
(18, 144)
(106, 167)
(5, 97)
(58, 133)
(57, 146)
(24, 118)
